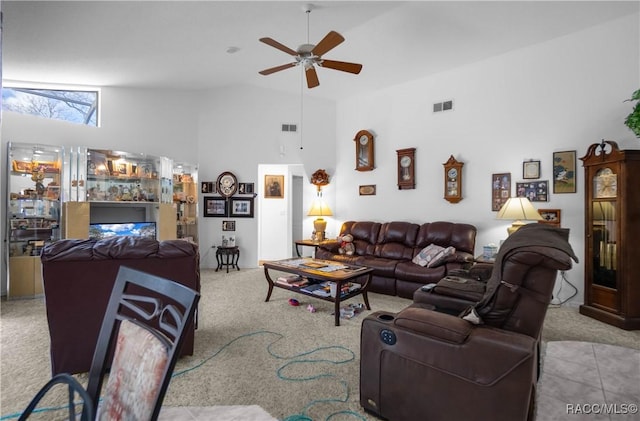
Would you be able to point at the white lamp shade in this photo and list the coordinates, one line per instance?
(519, 209)
(319, 208)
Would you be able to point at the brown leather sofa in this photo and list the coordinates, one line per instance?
(422, 363)
(389, 248)
(78, 278)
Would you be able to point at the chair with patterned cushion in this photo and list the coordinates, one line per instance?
(142, 331)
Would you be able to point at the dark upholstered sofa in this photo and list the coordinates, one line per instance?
(78, 278)
(389, 248)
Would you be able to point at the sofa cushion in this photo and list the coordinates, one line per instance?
(441, 257)
(397, 240)
(365, 235)
(427, 254)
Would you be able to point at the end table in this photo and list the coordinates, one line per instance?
(227, 256)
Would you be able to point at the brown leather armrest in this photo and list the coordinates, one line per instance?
(433, 324)
(330, 245)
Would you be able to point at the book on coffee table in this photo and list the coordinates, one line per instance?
(314, 265)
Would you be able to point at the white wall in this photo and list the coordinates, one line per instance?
(564, 94)
(239, 129)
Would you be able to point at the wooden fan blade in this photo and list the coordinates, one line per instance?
(275, 44)
(330, 41)
(312, 77)
(276, 69)
(342, 66)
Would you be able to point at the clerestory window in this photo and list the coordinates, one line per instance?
(75, 106)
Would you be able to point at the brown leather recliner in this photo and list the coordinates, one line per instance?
(431, 365)
(78, 279)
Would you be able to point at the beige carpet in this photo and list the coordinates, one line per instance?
(284, 359)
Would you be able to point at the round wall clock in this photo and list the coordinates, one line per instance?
(453, 180)
(364, 151)
(227, 184)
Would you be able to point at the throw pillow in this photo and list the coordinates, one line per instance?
(441, 257)
(427, 254)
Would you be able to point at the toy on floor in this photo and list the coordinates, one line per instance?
(294, 302)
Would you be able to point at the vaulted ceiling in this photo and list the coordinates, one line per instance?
(184, 44)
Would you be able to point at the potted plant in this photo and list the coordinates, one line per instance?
(633, 120)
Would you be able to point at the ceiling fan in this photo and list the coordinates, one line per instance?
(309, 56)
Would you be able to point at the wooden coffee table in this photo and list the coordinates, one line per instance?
(337, 272)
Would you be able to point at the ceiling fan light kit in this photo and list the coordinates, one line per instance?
(309, 55)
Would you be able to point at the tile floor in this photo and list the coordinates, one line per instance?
(217, 413)
(578, 378)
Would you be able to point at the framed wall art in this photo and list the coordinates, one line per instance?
(215, 207)
(550, 216)
(367, 190)
(531, 169)
(564, 172)
(207, 187)
(274, 186)
(245, 188)
(500, 190)
(241, 207)
(228, 225)
(535, 191)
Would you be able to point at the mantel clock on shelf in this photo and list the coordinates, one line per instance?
(406, 168)
(364, 151)
(453, 180)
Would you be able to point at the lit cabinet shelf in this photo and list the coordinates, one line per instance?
(122, 177)
(33, 212)
(185, 201)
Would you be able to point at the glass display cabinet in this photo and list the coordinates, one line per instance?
(109, 187)
(33, 212)
(612, 224)
(185, 200)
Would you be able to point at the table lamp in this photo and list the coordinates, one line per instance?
(319, 209)
(518, 209)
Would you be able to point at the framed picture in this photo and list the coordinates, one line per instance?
(550, 216)
(564, 172)
(122, 168)
(530, 169)
(367, 190)
(245, 188)
(241, 207)
(274, 186)
(500, 190)
(228, 225)
(535, 191)
(215, 207)
(207, 187)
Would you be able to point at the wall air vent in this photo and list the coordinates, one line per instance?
(443, 106)
(289, 127)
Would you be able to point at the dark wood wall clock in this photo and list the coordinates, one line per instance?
(406, 168)
(364, 151)
(227, 184)
(453, 180)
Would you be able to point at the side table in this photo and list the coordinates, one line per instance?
(310, 243)
(227, 256)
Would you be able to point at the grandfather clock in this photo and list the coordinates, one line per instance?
(612, 229)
